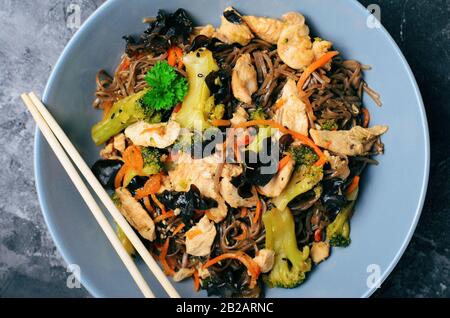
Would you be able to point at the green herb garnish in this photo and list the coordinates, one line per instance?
(167, 88)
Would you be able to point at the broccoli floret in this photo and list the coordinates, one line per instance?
(197, 104)
(329, 124)
(152, 164)
(198, 144)
(291, 264)
(303, 155)
(123, 113)
(338, 232)
(303, 179)
(258, 114)
(152, 160)
(217, 111)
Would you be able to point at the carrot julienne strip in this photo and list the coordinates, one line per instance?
(283, 162)
(257, 211)
(148, 205)
(164, 216)
(352, 187)
(178, 228)
(196, 281)
(220, 122)
(159, 204)
(324, 59)
(151, 186)
(120, 175)
(175, 56)
(162, 258)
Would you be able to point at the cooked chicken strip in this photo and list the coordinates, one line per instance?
(208, 30)
(295, 47)
(320, 251)
(353, 142)
(160, 135)
(200, 238)
(293, 17)
(135, 214)
(202, 173)
(230, 32)
(339, 165)
(229, 191)
(109, 152)
(292, 114)
(114, 147)
(279, 181)
(119, 142)
(243, 80)
(265, 259)
(294, 44)
(267, 29)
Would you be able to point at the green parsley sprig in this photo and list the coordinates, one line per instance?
(167, 88)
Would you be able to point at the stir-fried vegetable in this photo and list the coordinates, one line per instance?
(354, 185)
(303, 179)
(338, 232)
(123, 113)
(133, 161)
(291, 264)
(302, 155)
(151, 186)
(175, 56)
(152, 164)
(196, 106)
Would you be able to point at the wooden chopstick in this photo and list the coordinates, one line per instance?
(87, 197)
(104, 197)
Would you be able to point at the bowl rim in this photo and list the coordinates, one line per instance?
(40, 187)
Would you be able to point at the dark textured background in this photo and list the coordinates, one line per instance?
(32, 35)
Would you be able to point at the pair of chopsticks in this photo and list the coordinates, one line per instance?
(63, 149)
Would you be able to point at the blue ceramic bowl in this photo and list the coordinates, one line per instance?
(392, 194)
